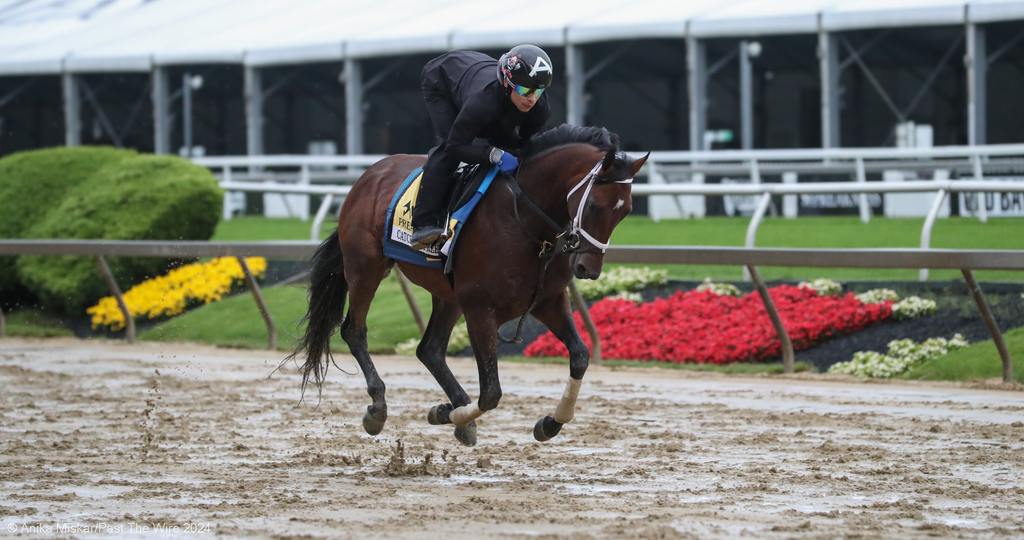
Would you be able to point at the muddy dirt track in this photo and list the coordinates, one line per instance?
(156, 440)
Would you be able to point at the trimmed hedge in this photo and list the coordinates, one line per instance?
(33, 183)
(147, 197)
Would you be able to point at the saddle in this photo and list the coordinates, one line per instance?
(471, 183)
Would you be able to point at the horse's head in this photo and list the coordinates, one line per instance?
(597, 207)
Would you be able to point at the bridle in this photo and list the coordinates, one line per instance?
(569, 239)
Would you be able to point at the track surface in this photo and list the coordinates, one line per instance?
(155, 439)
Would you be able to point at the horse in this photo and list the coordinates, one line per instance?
(529, 235)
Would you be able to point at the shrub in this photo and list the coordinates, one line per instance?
(148, 197)
(34, 183)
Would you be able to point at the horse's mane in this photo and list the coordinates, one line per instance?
(568, 134)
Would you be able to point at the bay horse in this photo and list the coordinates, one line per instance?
(526, 239)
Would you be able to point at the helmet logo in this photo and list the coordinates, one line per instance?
(540, 64)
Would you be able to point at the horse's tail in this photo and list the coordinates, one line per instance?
(327, 291)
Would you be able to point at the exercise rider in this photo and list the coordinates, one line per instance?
(467, 102)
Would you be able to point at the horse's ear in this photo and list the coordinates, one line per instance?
(609, 161)
(635, 166)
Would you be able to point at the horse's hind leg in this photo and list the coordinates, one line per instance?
(556, 316)
(431, 351)
(364, 276)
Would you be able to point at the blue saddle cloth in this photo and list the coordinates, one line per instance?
(398, 223)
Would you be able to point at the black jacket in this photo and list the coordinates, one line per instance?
(470, 80)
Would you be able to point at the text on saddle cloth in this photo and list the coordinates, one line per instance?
(398, 222)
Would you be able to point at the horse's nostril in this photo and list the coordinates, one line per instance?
(581, 270)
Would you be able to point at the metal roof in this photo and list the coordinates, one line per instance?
(39, 36)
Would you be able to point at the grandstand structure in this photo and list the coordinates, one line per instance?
(224, 77)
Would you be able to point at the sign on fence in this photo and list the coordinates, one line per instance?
(996, 204)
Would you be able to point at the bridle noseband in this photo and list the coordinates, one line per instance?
(569, 238)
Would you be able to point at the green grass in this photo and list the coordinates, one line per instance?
(977, 361)
(236, 321)
(34, 323)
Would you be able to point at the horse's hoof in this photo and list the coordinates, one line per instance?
(373, 420)
(438, 414)
(546, 428)
(466, 434)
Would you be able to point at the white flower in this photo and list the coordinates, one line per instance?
(912, 307)
(621, 279)
(823, 286)
(877, 296)
(902, 355)
(721, 289)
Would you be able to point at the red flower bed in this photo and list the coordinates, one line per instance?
(703, 327)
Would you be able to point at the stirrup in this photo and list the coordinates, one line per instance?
(426, 236)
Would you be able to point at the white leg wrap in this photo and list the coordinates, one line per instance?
(465, 414)
(566, 409)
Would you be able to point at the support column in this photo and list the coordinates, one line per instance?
(697, 71)
(253, 110)
(575, 107)
(746, 97)
(161, 95)
(828, 62)
(72, 110)
(353, 107)
(977, 89)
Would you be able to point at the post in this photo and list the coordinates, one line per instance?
(862, 179)
(755, 223)
(253, 111)
(926, 230)
(977, 73)
(581, 306)
(260, 303)
(990, 322)
(697, 68)
(186, 113)
(828, 65)
(577, 82)
(787, 345)
(72, 110)
(746, 96)
(160, 95)
(353, 76)
(403, 282)
(129, 321)
(3, 323)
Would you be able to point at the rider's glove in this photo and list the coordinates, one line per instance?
(507, 163)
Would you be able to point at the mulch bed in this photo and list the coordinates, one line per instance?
(956, 313)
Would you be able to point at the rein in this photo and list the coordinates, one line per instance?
(568, 240)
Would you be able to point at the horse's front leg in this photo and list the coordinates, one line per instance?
(556, 315)
(483, 335)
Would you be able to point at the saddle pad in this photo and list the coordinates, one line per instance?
(398, 223)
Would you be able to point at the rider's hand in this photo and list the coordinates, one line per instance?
(508, 163)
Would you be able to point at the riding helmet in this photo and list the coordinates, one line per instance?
(525, 65)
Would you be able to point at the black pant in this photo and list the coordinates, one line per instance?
(436, 185)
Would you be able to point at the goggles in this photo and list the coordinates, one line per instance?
(527, 91)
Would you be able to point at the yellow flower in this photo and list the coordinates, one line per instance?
(171, 294)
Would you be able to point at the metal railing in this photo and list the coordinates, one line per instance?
(965, 260)
(765, 192)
